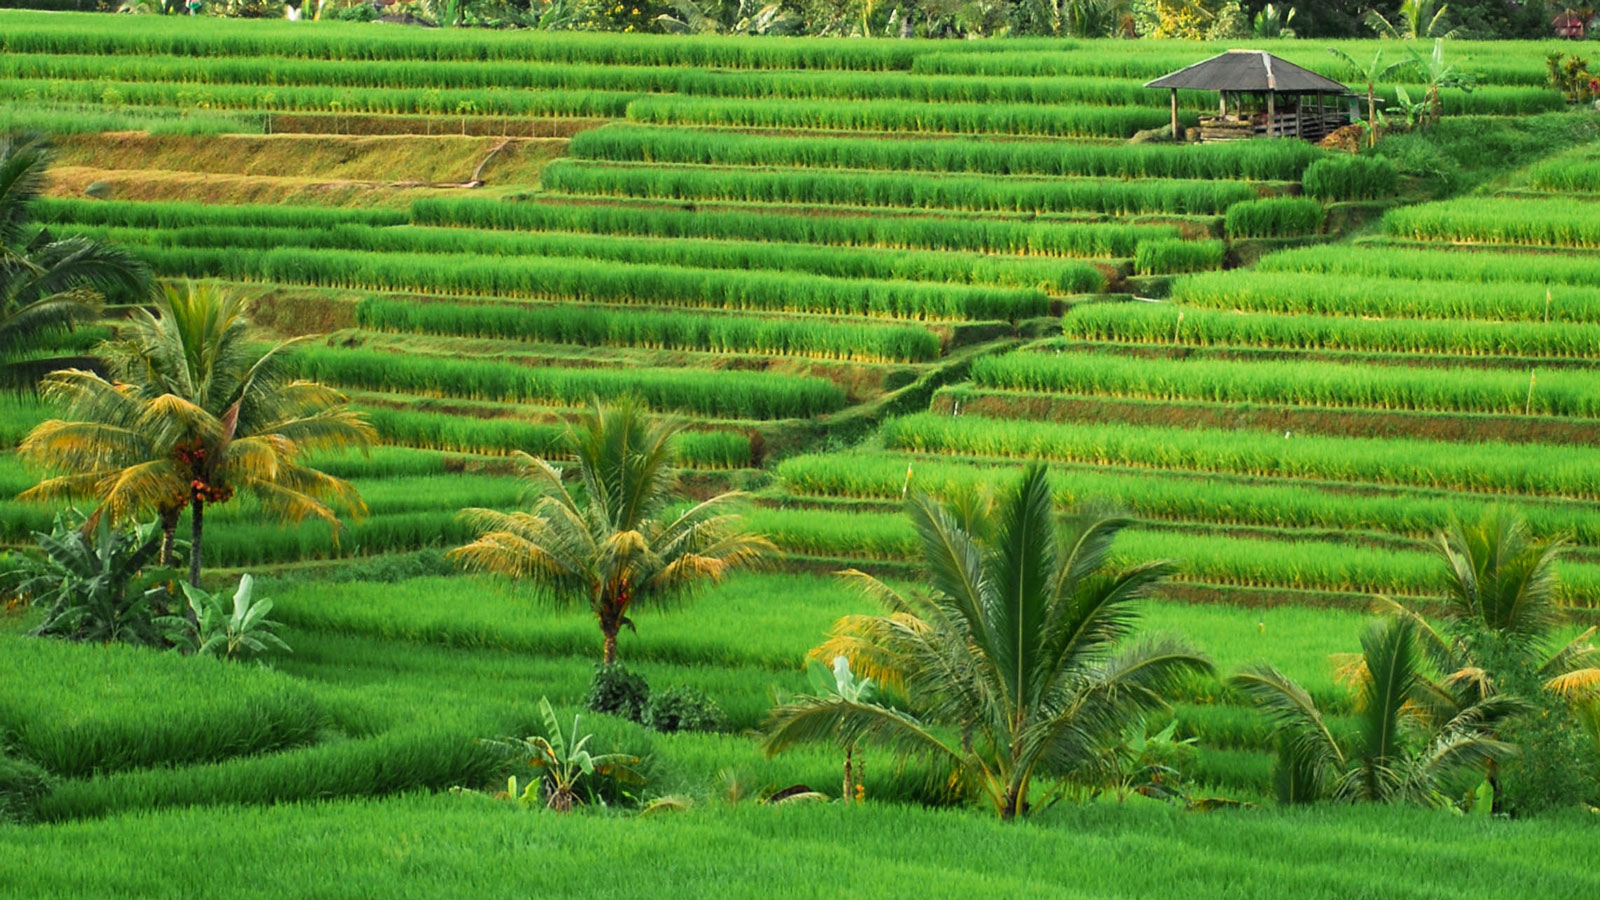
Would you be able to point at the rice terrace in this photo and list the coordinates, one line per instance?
(1004, 448)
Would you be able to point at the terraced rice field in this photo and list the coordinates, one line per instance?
(856, 269)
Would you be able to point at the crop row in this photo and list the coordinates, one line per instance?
(883, 477)
(598, 281)
(1116, 197)
(1481, 265)
(1558, 392)
(595, 326)
(472, 434)
(1297, 565)
(1316, 294)
(888, 115)
(1485, 467)
(1256, 160)
(835, 262)
(388, 101)
(1162, 323)
(82, 118)
(1549, 222)
(177, 214)
(752, 395)
(897, 232)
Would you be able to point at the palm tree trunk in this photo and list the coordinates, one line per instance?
(196, 534)
(1009, 803)
(169, 534)
(849, 781)
(1372, 116)
(609, 658)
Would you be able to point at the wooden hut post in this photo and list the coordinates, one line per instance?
(1299, 115)
(1272, 115)
(1175, 134)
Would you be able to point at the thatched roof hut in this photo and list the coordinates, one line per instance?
(1295, 97)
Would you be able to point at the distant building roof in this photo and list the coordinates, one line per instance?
(1248, 70)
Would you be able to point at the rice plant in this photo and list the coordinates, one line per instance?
(1558, 222)
(1318, 294)
(1274, 217)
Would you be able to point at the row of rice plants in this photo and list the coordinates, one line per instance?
(1273, 217)
(1422, 264)
(1486, 467)
(1318, 294)
(1351, 178)
(1253, 160)
(167, 215)
(749, 395)
(82, 118)
(1559, 222)
(835, 262)
(595, 326)
(1174, 255)
(386, 101)
(80, 709)
(1559, 392)
(476, 434)
(1576, 171)
(1297, 565)
(600, 281)
(886, 477)
(47, 33)
(905, 191)
(889, 115)
(893, 232)
(1493, 62)
(1163, 323)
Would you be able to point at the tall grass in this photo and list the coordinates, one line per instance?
(1318, 294)
(1485, 467)
(886, 115)
(1160, 323)
(1254, 160)
(834, 262)
(1479, 265)
(897, 232)
(1273, 217)
(1555, 392)
(79, 709)
(600, 281)
(1350, 178)
(1198, 197)
(608, 326)
(755, 395)
(1557, 222)
(882, 477)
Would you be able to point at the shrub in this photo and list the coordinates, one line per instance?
(1350, 178)
(1274, 217)
(680, 708)
(617, 691)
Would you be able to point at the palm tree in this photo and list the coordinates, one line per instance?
(1502, 604)
(1372, 74)
(46, 285)
(617, 545)
(1415, 737)
(1436, 74)
(1417, 19)
(192, 414)
(1010, 669)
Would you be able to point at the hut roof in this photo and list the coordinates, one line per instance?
(1248, 70)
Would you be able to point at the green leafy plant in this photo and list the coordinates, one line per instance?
(1017, 649)
(680, 708)
(91, 581)
(617, 691)
(568, 775)
(236, 630)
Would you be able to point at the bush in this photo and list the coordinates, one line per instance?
(1350, 178)
(22, 785)
(1274, 217)
(619, 692)
(681, 708)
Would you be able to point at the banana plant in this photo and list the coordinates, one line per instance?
(568, 774)
(232, 633)
(92, 581)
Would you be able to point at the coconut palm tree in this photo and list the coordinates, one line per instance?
(617, 544)
(1372, 74)
(1404, 748)
(192, 414)
(1013, 667)
(46, 285)
(1502, 605)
